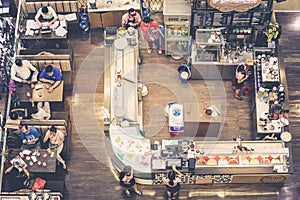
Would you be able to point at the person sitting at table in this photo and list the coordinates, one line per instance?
(46, 14)
(30, 138)
(43, 111)
(14, 121)
(52, 76)
(56, 141)
(131, 19)
(23, 71)
(19, 164)
(15, 175)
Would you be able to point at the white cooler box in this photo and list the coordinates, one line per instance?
(176, 122)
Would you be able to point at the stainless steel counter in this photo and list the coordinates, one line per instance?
(114, 5)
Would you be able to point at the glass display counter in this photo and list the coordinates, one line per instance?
(131, 148)
(227, 161)
(207, 46)
(177, 27)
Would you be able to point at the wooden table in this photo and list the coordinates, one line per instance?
(56, 95)
(44, 40)
(21, 92)
(50, 160)
(197, 123)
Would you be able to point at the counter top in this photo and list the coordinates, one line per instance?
(171, 7)
(112, 5)
(195, 112)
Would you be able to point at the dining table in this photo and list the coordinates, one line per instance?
(42, 162)
(41, 93)
(40, 39)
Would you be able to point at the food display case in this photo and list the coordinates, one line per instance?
(177, 27)
(208, 46)
(247, 154)
(131, 148)
(229, 162)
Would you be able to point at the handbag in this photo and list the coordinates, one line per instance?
(38, 184)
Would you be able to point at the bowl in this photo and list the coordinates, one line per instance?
(131, 31)
(121, 32)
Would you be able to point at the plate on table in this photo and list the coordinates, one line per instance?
(26, 152)
(286, 136)
(120, 43)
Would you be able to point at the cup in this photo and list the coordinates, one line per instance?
(36, 32)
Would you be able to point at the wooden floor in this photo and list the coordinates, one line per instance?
(90, 175)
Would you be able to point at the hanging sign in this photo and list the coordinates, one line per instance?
(236, 5)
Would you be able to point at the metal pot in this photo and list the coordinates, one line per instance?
(121, 32)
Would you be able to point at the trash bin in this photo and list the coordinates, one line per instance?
(84, 24)
(184, 72)
(145, 12)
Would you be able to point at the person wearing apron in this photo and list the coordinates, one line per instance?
(131, 19)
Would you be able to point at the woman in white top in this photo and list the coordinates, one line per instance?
(172, 182)
(23, 71)
(46, 14)
(56, 142)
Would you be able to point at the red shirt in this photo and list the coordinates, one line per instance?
(147, 30)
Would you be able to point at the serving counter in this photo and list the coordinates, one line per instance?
(214, 58)
(121, 81)
(270, 118)
(105, 13)
(198, 124)
(205, 162)
(112, 5)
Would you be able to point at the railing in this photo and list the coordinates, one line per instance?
(7, 110)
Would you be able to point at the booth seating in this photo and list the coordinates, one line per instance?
(60, 7)
(14, 140)
(54, 181)
(61, 60)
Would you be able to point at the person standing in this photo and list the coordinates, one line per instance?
(172, 182)
(46, 14)
(240, 77)
(23, 71)
(150, 33)
(127, 181)
(30, 138)
(56, 141)
(131, 19)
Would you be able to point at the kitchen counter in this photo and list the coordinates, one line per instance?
(112, 5)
